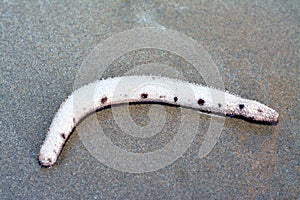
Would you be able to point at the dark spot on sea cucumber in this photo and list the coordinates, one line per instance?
(259, 110)
(49, 160)
(219, 105)
(74, 120)
(103, 100)
(175, 99)
(63, 136)
(144, 95)
(201, 102)
(54, 151)
(162, 96)
(241, 106)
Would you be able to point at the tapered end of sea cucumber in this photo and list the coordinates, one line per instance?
(266, 114)
(253, 111)
(276, 116)
(47, 158)
(45, 162)
(262, 113)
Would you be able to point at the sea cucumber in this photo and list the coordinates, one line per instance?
(127, 89)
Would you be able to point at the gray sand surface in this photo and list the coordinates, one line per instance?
(255, 46)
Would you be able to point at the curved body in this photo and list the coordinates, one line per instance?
(103, 93)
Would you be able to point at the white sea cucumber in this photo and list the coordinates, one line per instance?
(127, 89)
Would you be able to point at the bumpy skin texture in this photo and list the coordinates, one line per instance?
(102, 93)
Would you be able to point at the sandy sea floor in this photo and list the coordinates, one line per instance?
(254, 45)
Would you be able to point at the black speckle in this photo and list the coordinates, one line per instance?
(175, 99)
(219, 105)
(54, 151)
(74, 120)
(49, 160)
(259, 110)
(63, 136)
(201, 102)
(241, 106)
(144, 95)
(103, 100)
(162, 96)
